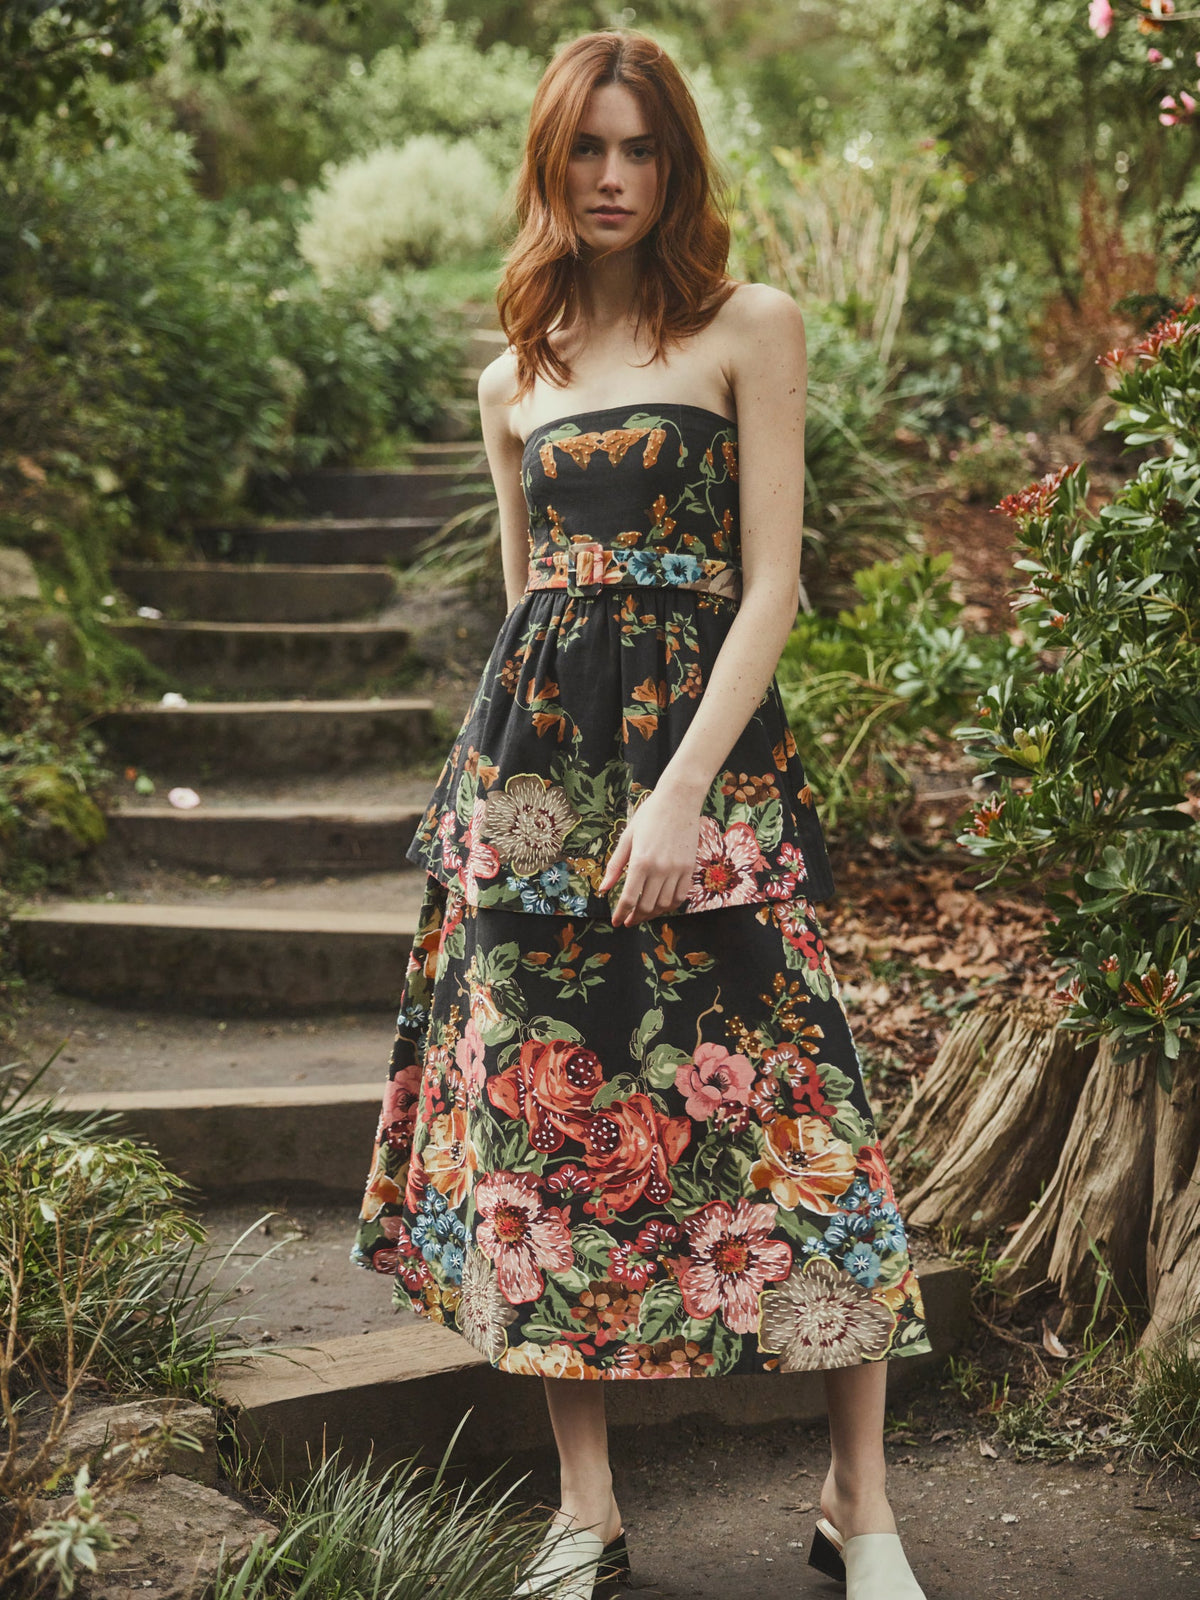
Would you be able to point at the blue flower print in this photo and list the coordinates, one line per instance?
(862, 1263)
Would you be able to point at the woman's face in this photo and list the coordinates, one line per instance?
(612, 174)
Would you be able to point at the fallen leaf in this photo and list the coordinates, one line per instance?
(986, 1449)
(943, 1433)
(1052, 1344)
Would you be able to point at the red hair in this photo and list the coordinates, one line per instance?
(686, 241)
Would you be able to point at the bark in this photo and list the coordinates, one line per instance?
(1173, 1248)
(1099, 1196)
(993, 1112)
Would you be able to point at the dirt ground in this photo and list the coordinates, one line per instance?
(713, 1512)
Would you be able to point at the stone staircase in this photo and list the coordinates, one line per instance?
(230, 988)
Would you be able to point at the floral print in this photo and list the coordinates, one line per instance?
(641, 1152)
(596, 672)
(636, 1152)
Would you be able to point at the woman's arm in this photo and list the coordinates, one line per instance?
(769, 374)
(496, 382)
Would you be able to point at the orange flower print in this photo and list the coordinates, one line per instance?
(803, 1163)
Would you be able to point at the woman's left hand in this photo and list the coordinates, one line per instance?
(657, 852)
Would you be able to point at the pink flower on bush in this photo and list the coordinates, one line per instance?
(713, 1077)
(1100, 18)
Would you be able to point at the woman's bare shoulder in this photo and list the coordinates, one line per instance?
(761, 307)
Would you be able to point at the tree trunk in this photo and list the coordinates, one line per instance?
(1173, 1249)
(992, 1111)
(1100, 1194)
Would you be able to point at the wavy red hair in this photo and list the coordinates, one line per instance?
(685, 244)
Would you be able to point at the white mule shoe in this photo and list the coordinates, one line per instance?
(576, 1564)
(873, 1565)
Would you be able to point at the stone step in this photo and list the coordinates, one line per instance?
(434, 492)
(317, 541)
(230, 591)
(276, 840)
(297, 1142)
(444, 452)
(214, 738)
(484, 345)
(201, 958)
(271, 657)
(403, 1391)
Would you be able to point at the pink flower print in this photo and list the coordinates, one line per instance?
(451, 854)
(398, 1118)
(521, 1235)
(789, 871)
(732, 1258)
(725, 866)
(483, 860)
(468, 1053)
(713, 1076)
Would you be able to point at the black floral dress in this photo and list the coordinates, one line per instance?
(646, 1151)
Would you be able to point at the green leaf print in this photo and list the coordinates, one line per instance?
(726, 1348)
(662, 1313)
(662, 1064)
(544, 1029)
(573, 1281)
(617, 1088)
(834, 1082)
(849, 1125)
(464, 800)
(768, 828)
(650, 1024)
(592, 1243)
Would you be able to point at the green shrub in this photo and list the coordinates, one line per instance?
(444, 85)
(984, 466)
(427, 201)
(867, 690)
(1094, 763)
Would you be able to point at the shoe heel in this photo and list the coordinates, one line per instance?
(613, 1571)
(826, 1557)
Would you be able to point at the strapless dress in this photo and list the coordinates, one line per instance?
(645, 1151)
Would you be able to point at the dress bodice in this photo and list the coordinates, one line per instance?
(634, 580)
(634, 496)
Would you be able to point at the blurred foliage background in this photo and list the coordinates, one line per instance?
(238, 239)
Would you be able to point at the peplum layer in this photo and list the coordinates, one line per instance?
(584, 699)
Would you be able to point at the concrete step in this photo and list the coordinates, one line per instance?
(279, 840)
(404, 1390)
(315, 541)
(463, 453)
(270, 657)
(484, 345)
(229, 591)
(425, 491)
(100, 1046)
(297, 1142)
(215, 737)
(206, 957)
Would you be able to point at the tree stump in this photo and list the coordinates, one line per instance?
(993, 1111)
(1173, 1248)
(1098, 1199)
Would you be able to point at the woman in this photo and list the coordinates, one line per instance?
(625, 1133)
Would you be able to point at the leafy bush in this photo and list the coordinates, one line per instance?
(51, 771)
(1098, 763)
(866, 690)
(427, 201)
(445, 85)
(985, 464)
(104, 1281)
